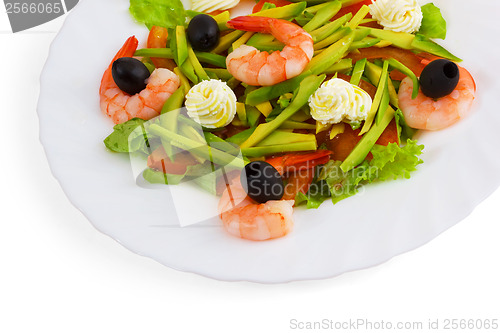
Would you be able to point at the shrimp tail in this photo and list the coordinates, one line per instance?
(128, 49)
(251, 23)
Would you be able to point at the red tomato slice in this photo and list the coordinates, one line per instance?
(278, 3)
(158, 39)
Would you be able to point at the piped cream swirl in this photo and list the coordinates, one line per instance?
(397, 15)
(337, 100)
(209, 6)
(211, 103)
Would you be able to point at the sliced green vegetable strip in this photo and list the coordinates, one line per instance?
(258, 38)
(364, 146)
(211, 59)
(221, 73)
(422, 43)
(184, 81)
(282, 138)
(284, 12)
(206, 57)
(194, 147)
(337, 35)
(406, 71)
(400, 39)
(156, 53)
(242, 40)
(149, 66)
(307, 87)
(373, 73)
(291, 124)
(175, 101)
(304, 18)
(360, 15)
(404, 131)
(277, 149)
(186, 67)
(341, 66)
(381, 87)
(360, 34)
(384, 102)
(330, 55)
(241, 112)
(412, 42)
(253, 115)
(323, 16)
(364, 43)
(200, 72)
(191, 133)
(168, 120)
(188, 70)
(329, 28)
(240, 137)
(182, 47)
(358, 71)
(226, 41)
(265, 42)
(268, 93)
(316, 8)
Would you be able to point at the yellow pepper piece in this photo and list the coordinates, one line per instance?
(320, 127)
(336, 130)
(183, 79)
(242, 40)
(265, 108)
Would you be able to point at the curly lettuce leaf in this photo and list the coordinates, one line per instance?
(317, 194)
(405, 132)
(163, 13)
(389, 162)
(433, 23)
(393, 162)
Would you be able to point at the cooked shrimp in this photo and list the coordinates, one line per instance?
(147, 104)
(434, 114)
(256, 68)
(242, 217)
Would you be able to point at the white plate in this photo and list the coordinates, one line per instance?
(460, 170)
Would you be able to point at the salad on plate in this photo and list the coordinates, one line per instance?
(292, 105)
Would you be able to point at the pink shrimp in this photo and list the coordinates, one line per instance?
(429, 114)
(256, 68)
(147, 104)
(242, 217)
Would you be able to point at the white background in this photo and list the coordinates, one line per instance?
(58, 274)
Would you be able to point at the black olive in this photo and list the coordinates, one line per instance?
(130, 75)
(439, 78)
(262, 182)
(203, 32)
